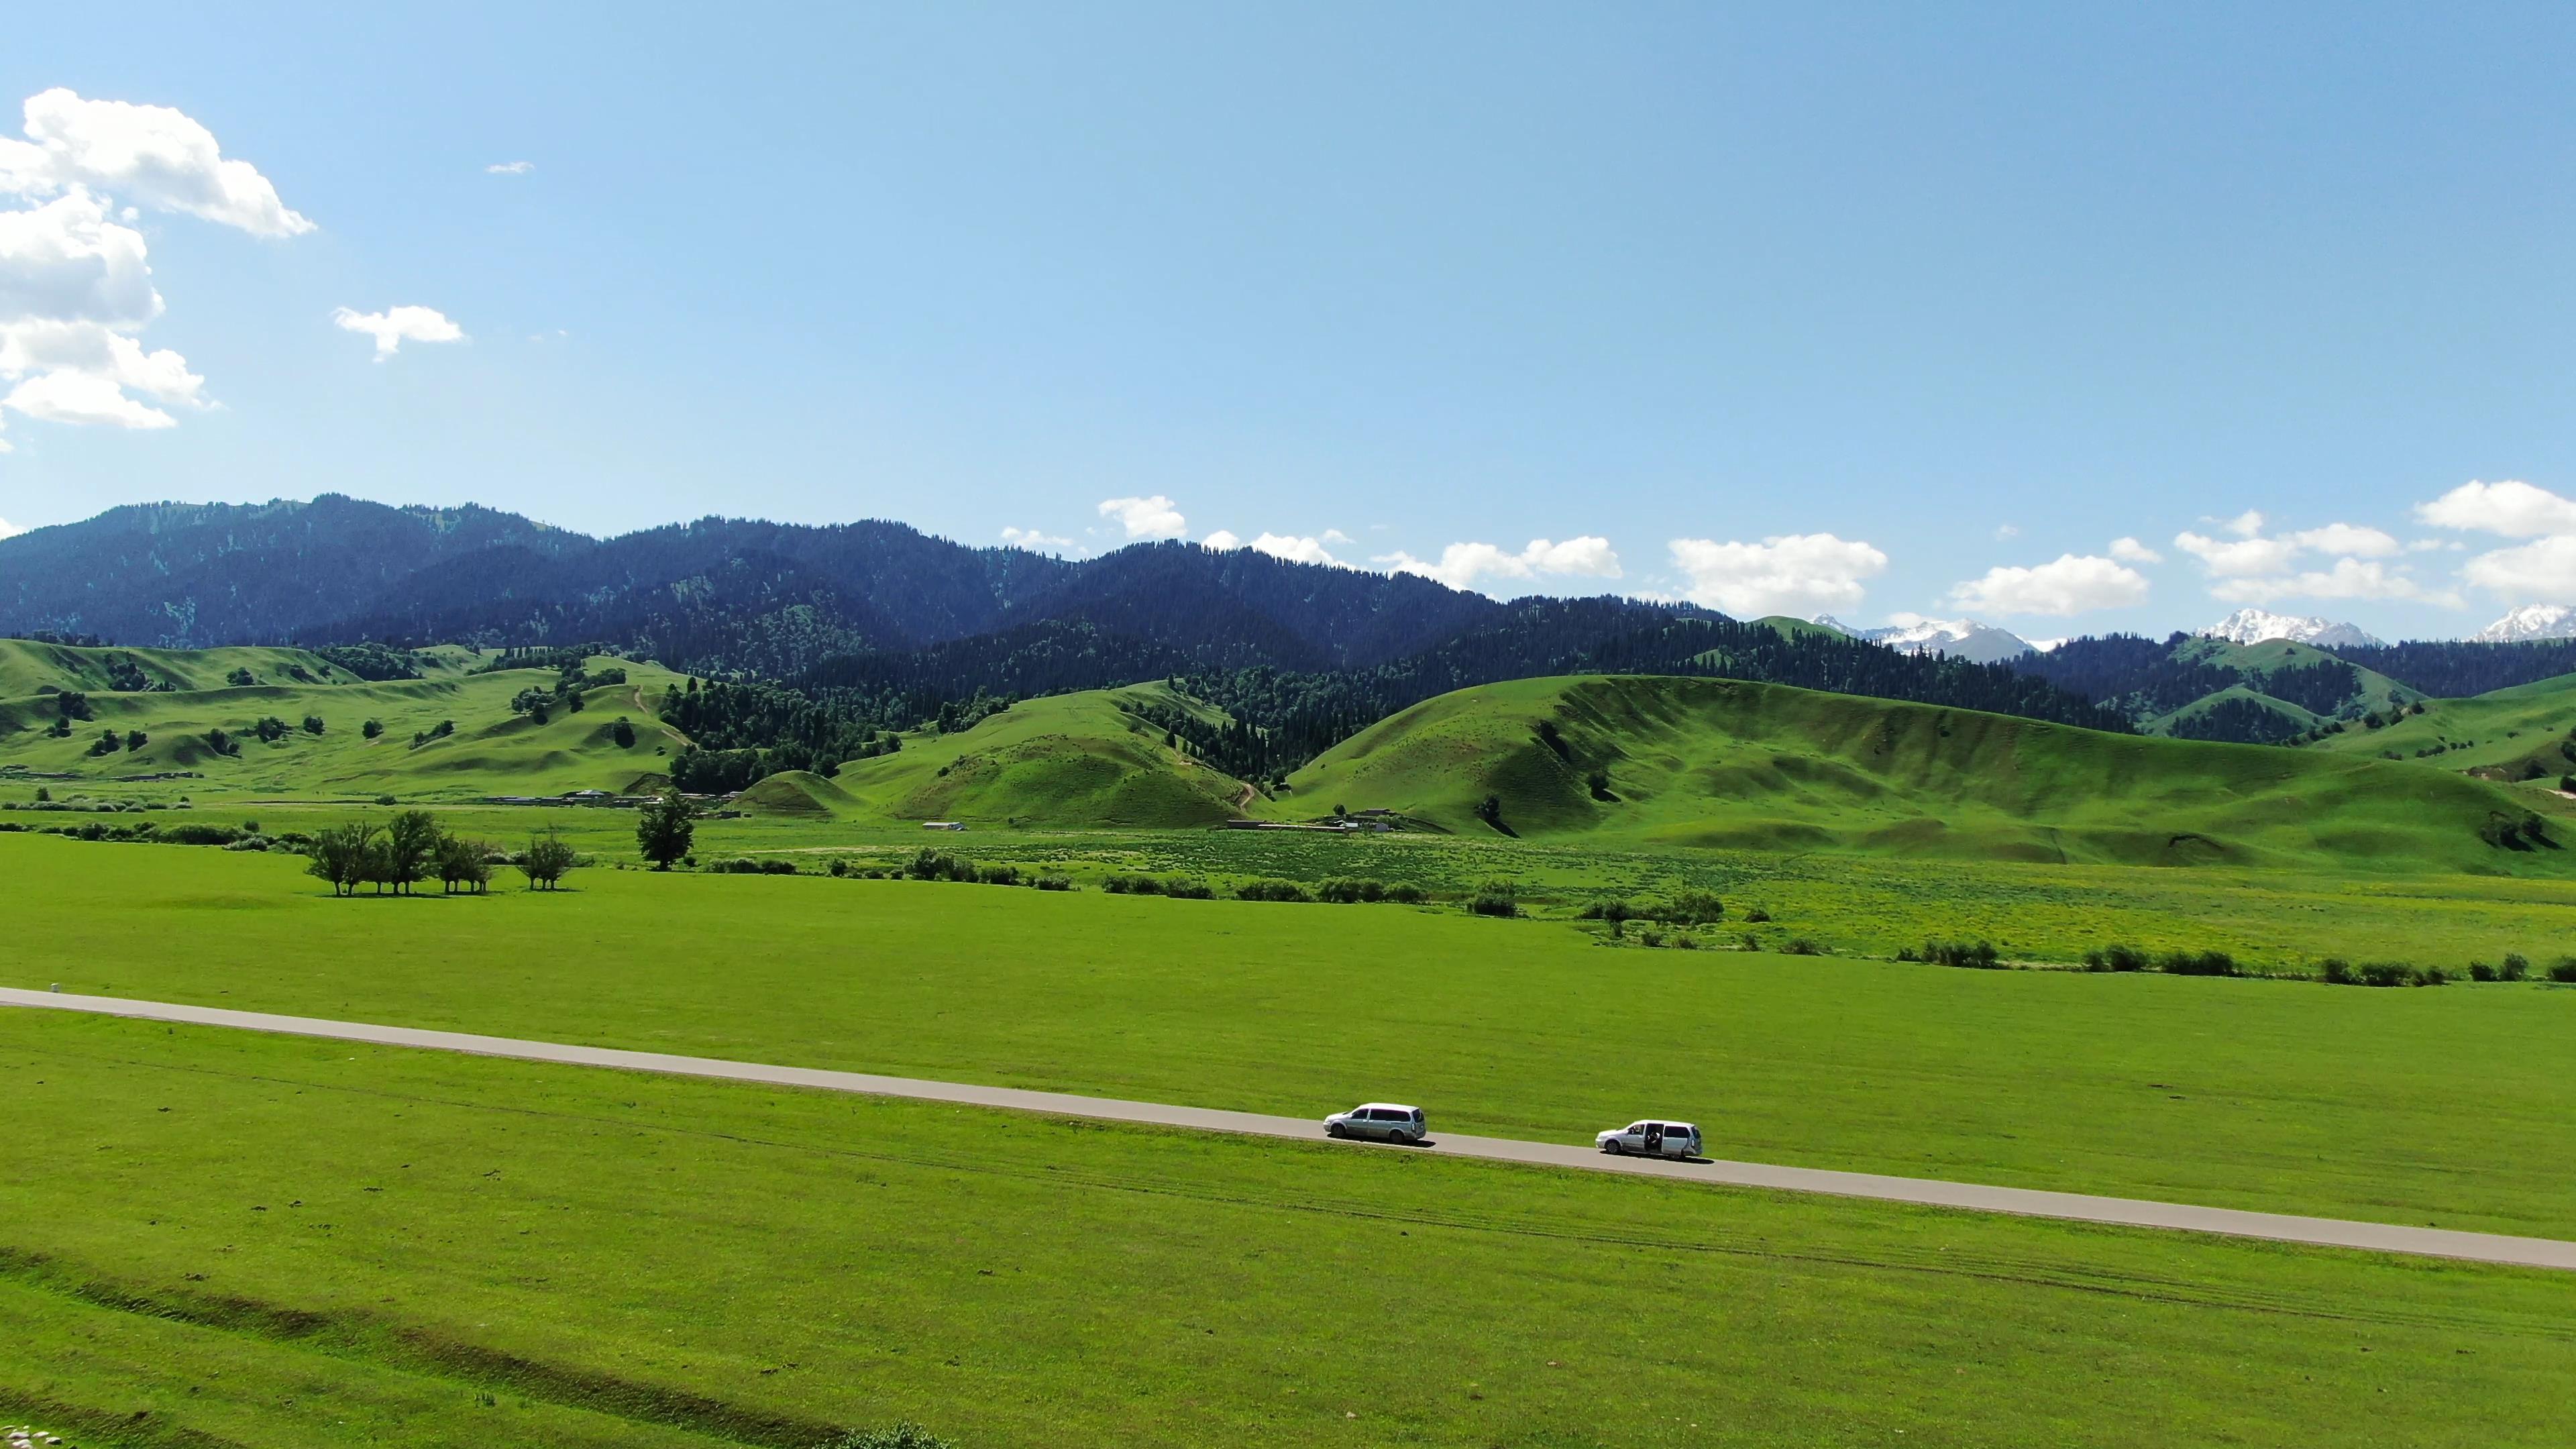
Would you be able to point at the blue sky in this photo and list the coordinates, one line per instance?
(1876, 312)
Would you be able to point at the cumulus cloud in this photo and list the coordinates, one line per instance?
(1036, 542)
(2243, 525)
(9, 530)
(1223, 541)
(395, 326)
(2347, 539)
(2348, 578)
(2129, 550)
(1461, 565)
(1155, 517)
(510, 168)
(2072, 584)
(75, 277)
(2515, 510)
(2543, 569)
(1799, 573)
(150, 155)
(2241, 557)
(1294, 549)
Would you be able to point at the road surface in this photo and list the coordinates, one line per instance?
(1972, 1197)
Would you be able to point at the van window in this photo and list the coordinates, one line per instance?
(1417, 1114)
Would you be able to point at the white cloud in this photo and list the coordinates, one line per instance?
(2243, 558)
(1223, 541)
(2072, 584)
(1335, 535)
(2543, 569)
(2243, 525)
(510, 168)
(1036, 542)
(1462, 564)
(75, 278)
(1799, 573)
(394, 326)
(151, 155)
(1155, 517)
(2348, 578)
(1294, 549)
(2007, 531)
(2347, 539)
(9, 530)
(2516, 510)
(2129, 550)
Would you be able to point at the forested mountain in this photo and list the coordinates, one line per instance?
(2460, 668)
(190, 575)
(2202, 687)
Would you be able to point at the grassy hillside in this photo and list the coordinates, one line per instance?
(1065, 760)
(490, 749)
(1722, 762)
(2515, 733)
(27, 667)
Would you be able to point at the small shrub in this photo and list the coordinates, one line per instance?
(929, 864)
(1801, 946)
(1132, 885)
(1979, 957)
(2517, 967)
(1611, 909)
(1000, 875)
(313, 724)
(1684, 943)
(1757, 916)
(193, 834)
(2337, 971)
(1495, 898)
(1406, 895)
(2198, 963)
(2481, 971)
(1182, 889)
(372, 728)
(2431, 976)
(2563, 971)
(1650, 937)
(384, 799)
(1053, 883)
(2386, 973)
(1351, 892)
(1272, 890)
(838, 868)
(2116, 958)
(901, 1436)
(1695, 908)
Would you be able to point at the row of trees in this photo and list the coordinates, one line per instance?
(413, 847)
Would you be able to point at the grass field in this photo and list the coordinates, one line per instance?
(1693, 762)
(491, 749)
(214, 1239)
(2262, 1094)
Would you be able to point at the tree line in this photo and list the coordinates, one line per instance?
(413, 847)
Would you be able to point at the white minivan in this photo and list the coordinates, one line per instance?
(1384, 1121)
(1650, 1139)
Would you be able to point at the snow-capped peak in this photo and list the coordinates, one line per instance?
(1958, 638)
(2253, 626)
(2531, 621)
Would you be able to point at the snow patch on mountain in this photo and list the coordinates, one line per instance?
(2531, 621)
(2253, 626)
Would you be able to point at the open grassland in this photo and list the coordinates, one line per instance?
(27, 667)
(2444, 1106)
(214, 1238)
(2520, 732)
(1066, 760)
(490, 749)
(1702, 762)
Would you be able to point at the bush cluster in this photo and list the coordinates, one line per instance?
(1978, 957)
(745, 866)
(1180, 888)
(1495, 898)
(1686, 908)
(1272, 890)
(2117, 958)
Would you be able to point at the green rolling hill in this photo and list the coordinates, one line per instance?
(488, 749)
(1063, 760)
(1728, 763)
(2524, 733)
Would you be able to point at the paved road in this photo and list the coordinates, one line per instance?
(2029, 1202)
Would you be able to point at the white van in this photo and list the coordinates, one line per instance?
(1384, 1121)
(1650, 1139)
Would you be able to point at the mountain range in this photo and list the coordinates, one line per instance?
(1958, 638)
(2254, 626)
(2531, 621)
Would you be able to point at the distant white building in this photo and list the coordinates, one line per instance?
(943, 825)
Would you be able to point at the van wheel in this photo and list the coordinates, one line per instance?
(1334, 1129)
(1613, 1148)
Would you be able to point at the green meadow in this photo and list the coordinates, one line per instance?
(217, 1238)
(2281, 1095)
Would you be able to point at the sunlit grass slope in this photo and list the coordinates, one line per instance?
(27, 666)
(491, 750)
(1065, 760)
(1728, 763)
(2517, 731)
